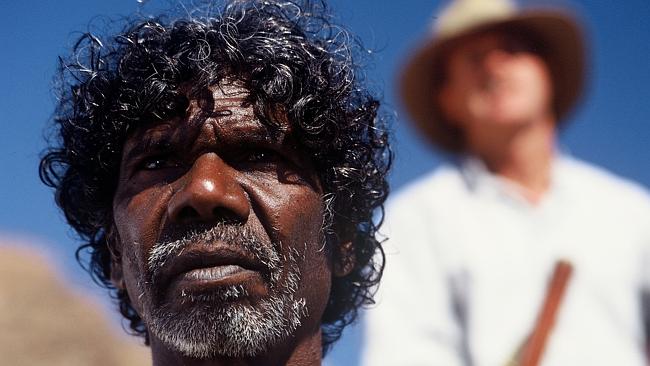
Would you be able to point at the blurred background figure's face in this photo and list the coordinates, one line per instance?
(495, 81)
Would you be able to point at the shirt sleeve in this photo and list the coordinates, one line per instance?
(413, 321)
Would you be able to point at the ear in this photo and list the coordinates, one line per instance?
(344, 259)
(113, 244)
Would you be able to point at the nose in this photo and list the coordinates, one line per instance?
(210, 193)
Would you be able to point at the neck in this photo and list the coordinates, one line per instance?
(523, 155)
(298, 352)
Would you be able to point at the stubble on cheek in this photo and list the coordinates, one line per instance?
(135, 277)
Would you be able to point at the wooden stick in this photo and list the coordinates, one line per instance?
(546, 320)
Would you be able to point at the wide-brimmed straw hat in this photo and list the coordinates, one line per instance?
(555, 32)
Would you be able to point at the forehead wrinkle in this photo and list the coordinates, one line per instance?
(228, 132)
(218, 113)
(231, 110)
(243, 130)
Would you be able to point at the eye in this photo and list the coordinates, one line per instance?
(260, 156)
(258, 159)
(158, 162)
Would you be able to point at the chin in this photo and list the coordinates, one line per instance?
(511, 118)
(234, 330)
(227, 320)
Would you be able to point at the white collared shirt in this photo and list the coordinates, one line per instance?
(469, 259)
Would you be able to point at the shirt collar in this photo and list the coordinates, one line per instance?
(481, 181)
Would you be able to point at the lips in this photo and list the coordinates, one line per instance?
(212, 273)
(213, 264)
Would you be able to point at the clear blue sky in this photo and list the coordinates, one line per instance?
(611, 127)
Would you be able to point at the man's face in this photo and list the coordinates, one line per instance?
(219, 221)
(494, 81)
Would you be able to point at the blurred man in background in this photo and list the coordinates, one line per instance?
(223, 170)
(475, 243)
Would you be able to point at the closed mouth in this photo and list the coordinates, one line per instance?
(207, 264)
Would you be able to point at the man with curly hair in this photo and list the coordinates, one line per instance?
(223, 171)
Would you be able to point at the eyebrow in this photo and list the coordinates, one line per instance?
(148, 142)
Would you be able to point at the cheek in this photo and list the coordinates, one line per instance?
(534, 75)
(289, 211)
(314, 257)
(300, 219)
(316, 285)
(457, 93)
(137, 220)
(295, 214)
(316, 270)
(139, 217)
(133, 279)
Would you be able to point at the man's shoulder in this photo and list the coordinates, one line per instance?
(599, 182)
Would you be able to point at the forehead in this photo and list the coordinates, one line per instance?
(225, 109)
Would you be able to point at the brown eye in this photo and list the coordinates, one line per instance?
(260, 156)
(257, 159)
(158, 162)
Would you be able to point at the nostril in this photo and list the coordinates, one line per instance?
(226, 215)
(187, 213)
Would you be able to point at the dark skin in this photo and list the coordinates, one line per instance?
(220, 163)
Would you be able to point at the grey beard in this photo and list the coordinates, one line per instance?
(215, 324)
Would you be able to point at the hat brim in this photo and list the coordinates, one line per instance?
(564, 54)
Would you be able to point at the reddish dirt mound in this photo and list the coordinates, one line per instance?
(43, 322)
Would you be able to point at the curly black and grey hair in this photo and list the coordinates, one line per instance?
(290, 56)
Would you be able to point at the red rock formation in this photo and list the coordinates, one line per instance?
(44, 322)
